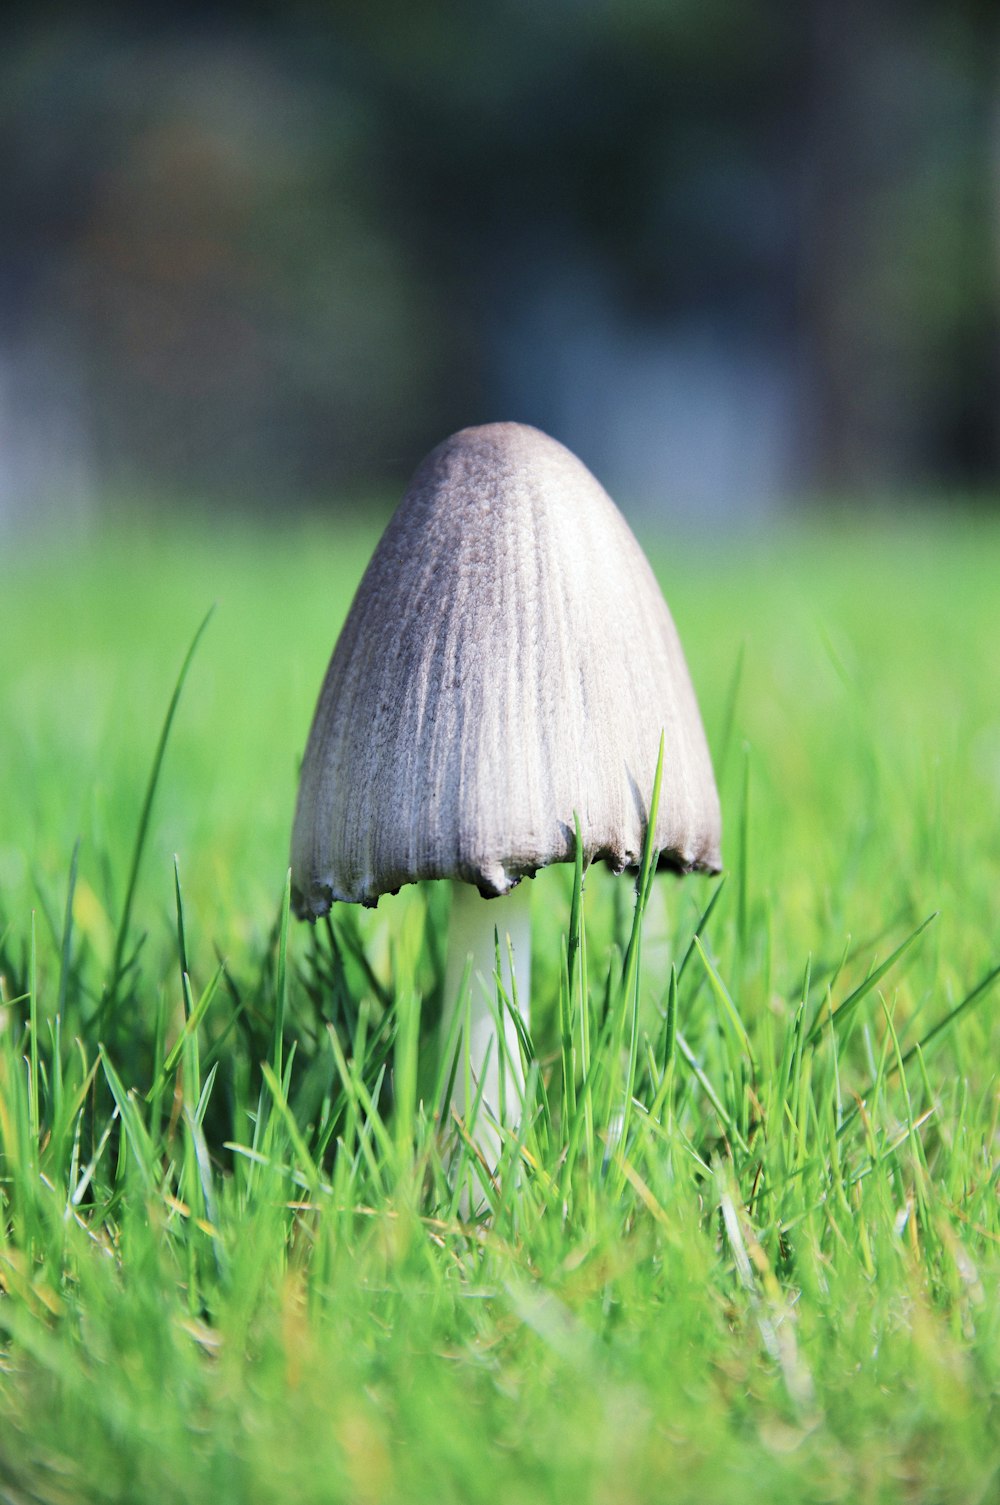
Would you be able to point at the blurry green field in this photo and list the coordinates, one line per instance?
(782, 1286)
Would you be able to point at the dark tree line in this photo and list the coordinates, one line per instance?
(269, 250)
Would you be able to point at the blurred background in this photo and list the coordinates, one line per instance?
(738, 254)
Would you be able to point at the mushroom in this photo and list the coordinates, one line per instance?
(508, 666)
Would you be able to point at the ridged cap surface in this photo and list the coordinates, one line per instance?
(508, 659)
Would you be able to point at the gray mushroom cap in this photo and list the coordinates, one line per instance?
(508, 660)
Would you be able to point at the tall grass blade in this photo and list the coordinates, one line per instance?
(702, 926)
(66, 947)
(839, 1016)
(729, 713)
(281, 979)
(34, 1082)
(191, 1025)
(142, 831)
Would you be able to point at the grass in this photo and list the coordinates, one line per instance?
(746, 1243)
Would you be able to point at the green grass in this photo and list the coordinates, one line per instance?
(233, 1266)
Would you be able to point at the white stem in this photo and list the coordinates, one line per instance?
(475, 922)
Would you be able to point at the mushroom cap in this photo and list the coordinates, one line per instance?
(508, 661)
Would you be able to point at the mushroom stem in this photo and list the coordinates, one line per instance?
(475, 924)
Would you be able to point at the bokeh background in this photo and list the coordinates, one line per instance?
(738, 254)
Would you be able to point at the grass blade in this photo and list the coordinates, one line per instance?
(839, 1016)
(142, 830)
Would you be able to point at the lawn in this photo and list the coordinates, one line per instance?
(746, 1245)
